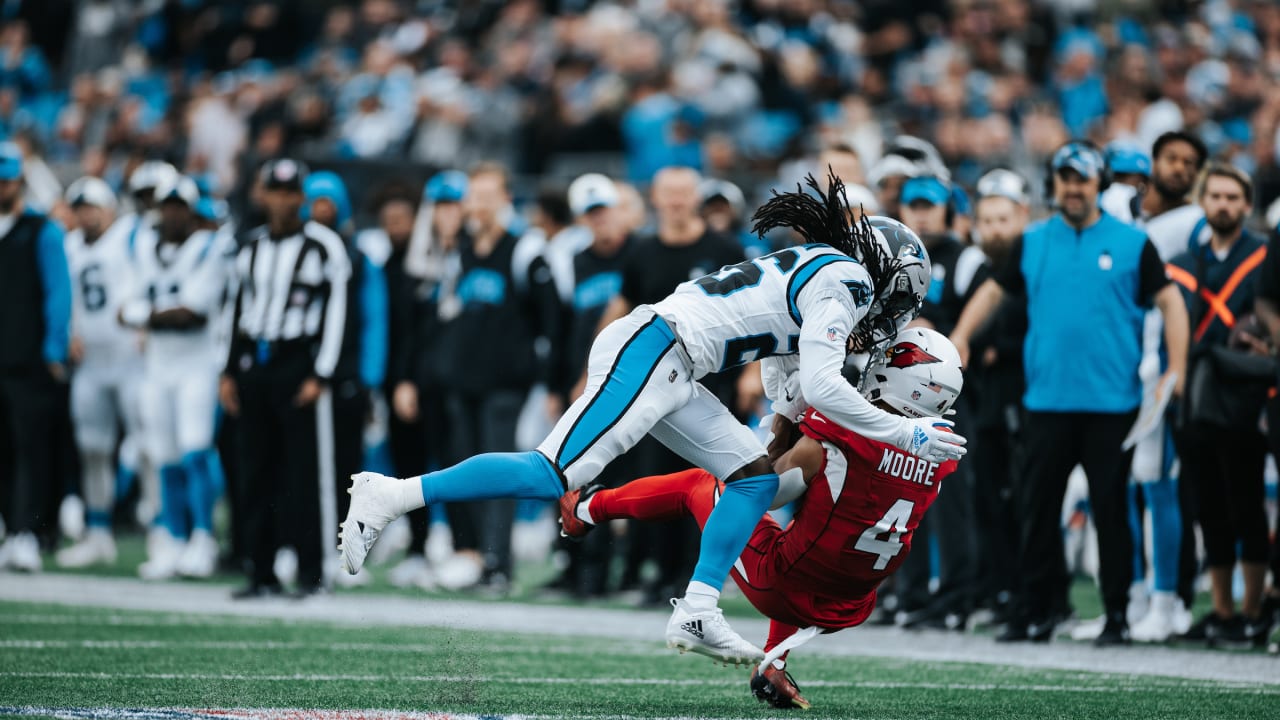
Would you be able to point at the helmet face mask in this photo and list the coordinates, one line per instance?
(899, 301)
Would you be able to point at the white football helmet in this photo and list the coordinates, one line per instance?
(899, 301)
(918, 374)
(150, 175)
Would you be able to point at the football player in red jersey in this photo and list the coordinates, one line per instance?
(859, 502)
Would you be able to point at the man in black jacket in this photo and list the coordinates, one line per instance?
(499, 314)
(35, 322)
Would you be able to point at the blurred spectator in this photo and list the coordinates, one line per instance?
(926, 206)
(35, 321)
(423, 257)
(362, 363)
(1219, 442)
(503, 301)
(995, 379)
(1078, 406)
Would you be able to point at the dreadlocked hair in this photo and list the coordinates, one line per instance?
(823, 217)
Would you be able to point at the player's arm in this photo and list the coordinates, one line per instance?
(986, 299)
(796, 469)
(55, 278)
(337, 273)
(1167, 297)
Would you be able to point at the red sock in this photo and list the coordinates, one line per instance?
(779, 631)
(658, 497)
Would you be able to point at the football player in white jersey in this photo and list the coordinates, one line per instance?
(182, 276)
(107, 356)
(1174, 224)
(799, 310)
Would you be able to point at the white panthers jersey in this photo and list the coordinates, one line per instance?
(191, 275)
(755, 309)
(102, 279)
(1173, 232)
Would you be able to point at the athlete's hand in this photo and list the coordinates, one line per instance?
(75, 351)
(57, 371)
(308, 392)
(229, 395)
(405, 401)
(782, 435)
(933, 440)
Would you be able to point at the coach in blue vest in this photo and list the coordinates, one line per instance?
(1088, 279)
(35, 320)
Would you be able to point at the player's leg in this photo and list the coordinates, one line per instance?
(1051, 450)
(159, 420)
(657, 497)
(773, 684)
(706, 434)
(635, 376)
(1167, 614)
(94, 410)
(1107, 468)
(195, 411)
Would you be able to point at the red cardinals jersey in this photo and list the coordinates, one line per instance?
(855, 522)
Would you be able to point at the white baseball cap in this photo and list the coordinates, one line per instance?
(591, 191)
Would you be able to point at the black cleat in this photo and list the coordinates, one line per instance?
(777, 688)
(1115, 632)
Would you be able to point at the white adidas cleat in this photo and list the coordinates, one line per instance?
(199, 558)
(97, 548)
(376, 500)
(706, 632)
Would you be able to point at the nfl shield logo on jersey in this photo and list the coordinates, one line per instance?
(833, 334)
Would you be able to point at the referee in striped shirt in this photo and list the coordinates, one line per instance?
(287, 325)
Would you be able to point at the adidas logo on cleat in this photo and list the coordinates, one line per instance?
(694, 628)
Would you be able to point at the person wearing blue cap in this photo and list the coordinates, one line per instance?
(927, 206)
(288, 323)
(1088, 279)
(362, 364)
(423, 250)
(35, 322)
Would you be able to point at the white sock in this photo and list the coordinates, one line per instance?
(583, 511)
(410, 495)
(778, 664)
(701, 596)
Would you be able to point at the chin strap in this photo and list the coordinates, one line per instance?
(791, 643)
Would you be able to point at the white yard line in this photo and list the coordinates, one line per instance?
(186, 602)
(627, 681)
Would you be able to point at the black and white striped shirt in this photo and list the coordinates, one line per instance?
(293, 288)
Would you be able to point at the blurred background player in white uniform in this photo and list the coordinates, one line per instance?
(1153, 192)
(107, 358)
(182, 275)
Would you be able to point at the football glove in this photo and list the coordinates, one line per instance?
(932, 439)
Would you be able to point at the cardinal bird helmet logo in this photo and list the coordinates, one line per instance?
(906, 354)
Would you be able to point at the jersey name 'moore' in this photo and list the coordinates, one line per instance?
(907, 467)
(754, 309)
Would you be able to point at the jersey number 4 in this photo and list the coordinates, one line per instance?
(894, 522)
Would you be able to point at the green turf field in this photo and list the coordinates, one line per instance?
(54, 657)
